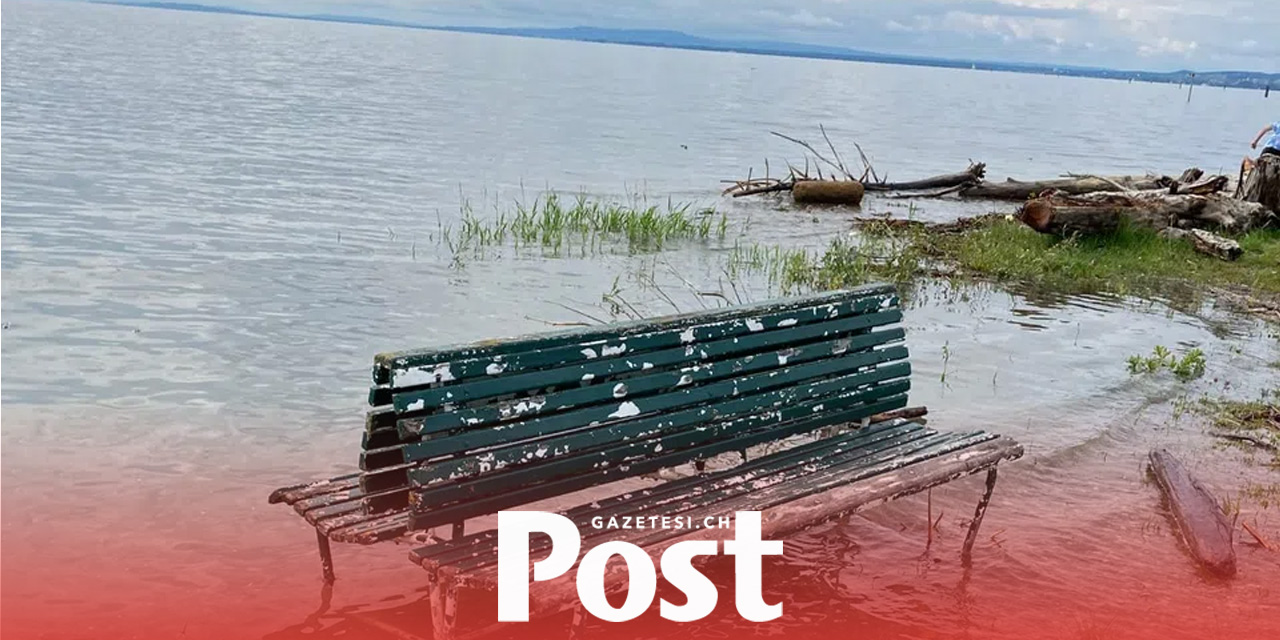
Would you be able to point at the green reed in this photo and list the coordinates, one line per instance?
(587, 225)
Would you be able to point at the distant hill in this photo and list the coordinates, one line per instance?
(681, 40)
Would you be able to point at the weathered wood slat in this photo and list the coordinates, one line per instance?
(364, 529)
(819, 452)
(640, 385)
(549, 597)
(663, 418)
(389, 469)
(596, 369)
(629, 347)
(791, 485)
(691, 445)
(390, 366)
(294, 493)
(746, 493)
(628, 414)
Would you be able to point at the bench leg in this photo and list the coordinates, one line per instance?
(966, 556)
(444, 605)
(575, 627)
(326, 557)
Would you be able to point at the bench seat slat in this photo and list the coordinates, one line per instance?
(661, 495)
(713, 441)
(745, 494)
(416, 367)
(293, 493)
(760, 488)
(366, 530)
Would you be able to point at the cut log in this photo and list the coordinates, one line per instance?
(1102, 212)
(1262, 184)
(1206, 242)
(1017, 190)
(847, 192)
(971, 176)
(1197, 517)
(1043, 216)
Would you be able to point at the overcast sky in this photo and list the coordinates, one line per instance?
(1149, 34)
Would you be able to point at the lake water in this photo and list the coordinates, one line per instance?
(211, 223)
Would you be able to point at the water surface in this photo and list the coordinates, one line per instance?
(212, 222)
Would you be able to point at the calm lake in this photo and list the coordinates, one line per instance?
(211, 223)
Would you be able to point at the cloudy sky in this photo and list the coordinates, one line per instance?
(1149, 34)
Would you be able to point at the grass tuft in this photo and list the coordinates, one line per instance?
(557, 226)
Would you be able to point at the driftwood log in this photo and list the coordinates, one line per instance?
(971, 176)
(1197, 517)
(1262, 183)
(959, 225)
(846, 192)
(1206, 242)
(1101, 213)
(1017, 190)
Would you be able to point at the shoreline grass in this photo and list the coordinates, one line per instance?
(1129, 261)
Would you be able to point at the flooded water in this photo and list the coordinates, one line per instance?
(211, 223)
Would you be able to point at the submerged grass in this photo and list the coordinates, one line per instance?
(845, 262)
(555, 226)
(1251, 424)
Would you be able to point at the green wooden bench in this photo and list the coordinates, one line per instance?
(464, 432)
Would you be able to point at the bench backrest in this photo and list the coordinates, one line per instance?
(465, 431)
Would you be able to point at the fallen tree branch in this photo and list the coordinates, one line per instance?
(1240, 437)
(1018, 190)
(956, 226)
(815, 153)
(971, 176)
(1256, 536)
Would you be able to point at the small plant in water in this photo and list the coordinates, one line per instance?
(555, 225)
(946, 359)
(1190, 366)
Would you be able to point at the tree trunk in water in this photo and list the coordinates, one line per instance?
(1016, 190)
(1197, 517)
(1262, 185)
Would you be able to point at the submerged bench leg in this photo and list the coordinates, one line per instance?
(444, 604)
(326, 557)
(966, 556)
(575, 627)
